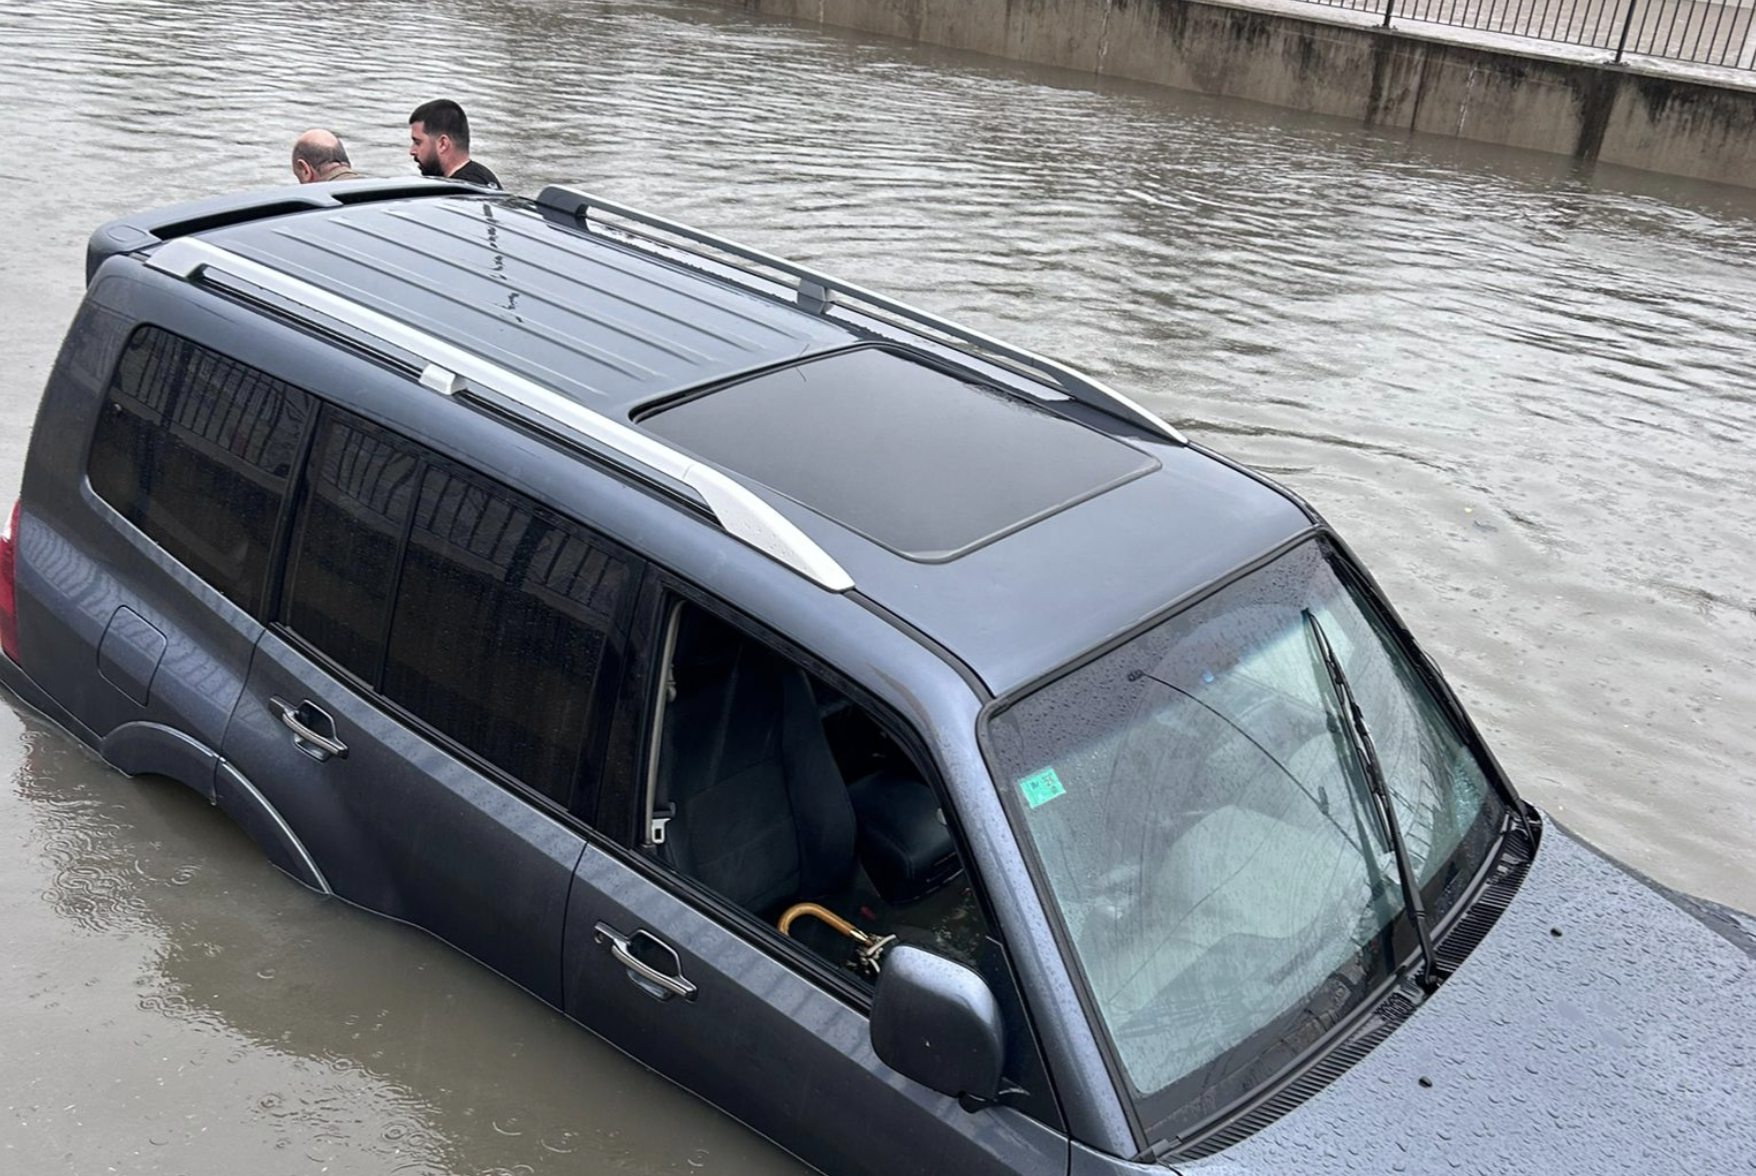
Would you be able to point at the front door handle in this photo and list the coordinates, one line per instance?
(313, 730)
(622, 947)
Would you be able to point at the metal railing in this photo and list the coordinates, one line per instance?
(1703, 32)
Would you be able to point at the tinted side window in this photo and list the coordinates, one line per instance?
(359, 490)
(195, 449)
(503, 626)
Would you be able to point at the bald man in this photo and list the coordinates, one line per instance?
(319, 157)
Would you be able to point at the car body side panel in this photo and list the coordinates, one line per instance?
(80, 563)
(77, 571)
(25, 688)
(402, 827)
(773, 1049)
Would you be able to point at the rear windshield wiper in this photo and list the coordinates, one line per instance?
(1361, 740)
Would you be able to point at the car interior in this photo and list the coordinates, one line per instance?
(786, 798)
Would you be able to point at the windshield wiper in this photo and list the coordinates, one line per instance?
(1361, 740)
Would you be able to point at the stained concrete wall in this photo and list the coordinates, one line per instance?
(1383, 77)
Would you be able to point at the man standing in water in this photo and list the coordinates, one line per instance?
(318, 156)
(439, 143)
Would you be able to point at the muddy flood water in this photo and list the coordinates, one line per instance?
(1524, 392)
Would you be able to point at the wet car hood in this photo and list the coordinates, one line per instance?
(1625, 1044)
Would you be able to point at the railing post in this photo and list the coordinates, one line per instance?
(1627, 24)
(1389, 7)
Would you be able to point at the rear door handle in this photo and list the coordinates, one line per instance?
(622, 947)
(313, 730)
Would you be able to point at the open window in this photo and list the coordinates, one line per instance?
(789, 800)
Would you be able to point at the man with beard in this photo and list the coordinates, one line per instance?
(439, 144)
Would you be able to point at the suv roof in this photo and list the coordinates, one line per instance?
(1010, 508)
(601, 324)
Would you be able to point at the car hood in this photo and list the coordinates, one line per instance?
(1604, 1025)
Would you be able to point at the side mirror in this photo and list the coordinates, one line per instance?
(935, 1021)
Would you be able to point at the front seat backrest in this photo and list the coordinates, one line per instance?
(762, 815)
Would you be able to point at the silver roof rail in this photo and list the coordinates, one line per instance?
(818, 292)
(452, 371)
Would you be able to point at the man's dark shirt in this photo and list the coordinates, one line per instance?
(474, 173)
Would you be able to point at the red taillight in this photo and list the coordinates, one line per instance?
(8, 592)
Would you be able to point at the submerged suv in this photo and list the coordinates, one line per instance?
(916, 749)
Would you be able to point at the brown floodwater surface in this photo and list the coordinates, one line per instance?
(1524, 392)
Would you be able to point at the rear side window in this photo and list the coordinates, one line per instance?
(482, 614)
(503, 616)
(195, 449)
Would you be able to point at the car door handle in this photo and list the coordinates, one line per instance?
(623, 950)
(299, 719)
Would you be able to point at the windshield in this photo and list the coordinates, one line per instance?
(1199, 807)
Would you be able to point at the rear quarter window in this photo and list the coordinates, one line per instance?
(196, 449)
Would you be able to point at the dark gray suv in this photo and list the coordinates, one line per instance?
(906, 743)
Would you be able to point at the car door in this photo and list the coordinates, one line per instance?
(424, 710)
(727, 1010)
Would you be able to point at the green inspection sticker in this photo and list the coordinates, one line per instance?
(1040, 788)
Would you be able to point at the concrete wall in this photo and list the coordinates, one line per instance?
(1382, 77)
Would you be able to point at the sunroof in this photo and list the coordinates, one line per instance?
(924, 462)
